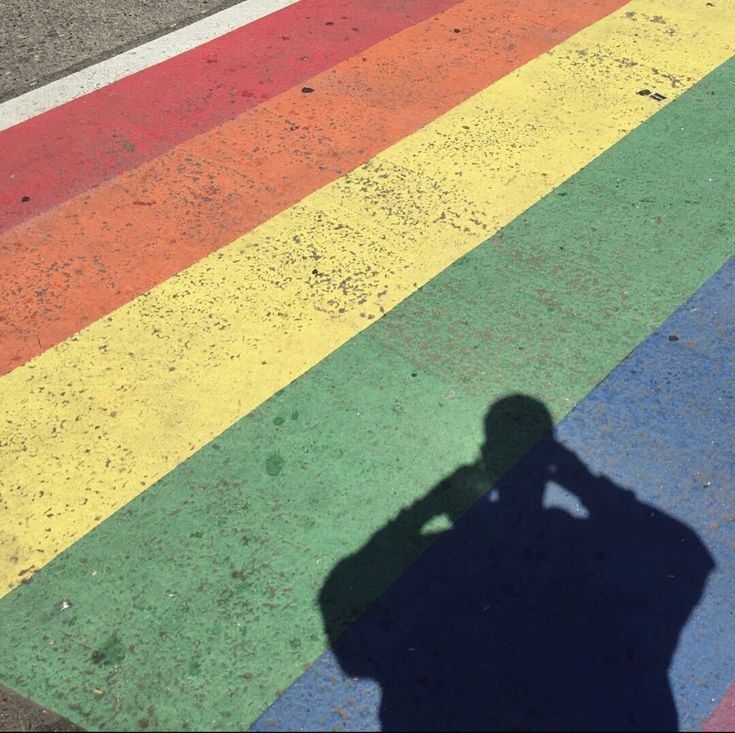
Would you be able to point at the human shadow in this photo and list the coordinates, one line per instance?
(521, 617)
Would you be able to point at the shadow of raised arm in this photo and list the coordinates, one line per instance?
(359, 578)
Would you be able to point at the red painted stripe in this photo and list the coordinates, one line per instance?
(72, 265)
(63, 152)
(723, 717)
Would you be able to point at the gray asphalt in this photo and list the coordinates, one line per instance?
(43, 40)
(19, 714)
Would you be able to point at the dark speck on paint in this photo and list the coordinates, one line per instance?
(673, 337)
(274, 464)
(26, 199)
(307, 90)
(111, 652)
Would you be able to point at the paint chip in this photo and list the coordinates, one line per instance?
(653, 95)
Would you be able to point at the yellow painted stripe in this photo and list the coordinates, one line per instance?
(92, 422)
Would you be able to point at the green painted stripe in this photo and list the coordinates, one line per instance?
(196, 603)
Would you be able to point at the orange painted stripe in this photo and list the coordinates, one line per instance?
(71, 148)
(78, 262)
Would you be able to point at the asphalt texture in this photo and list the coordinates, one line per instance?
(44, 40)
(17, 713)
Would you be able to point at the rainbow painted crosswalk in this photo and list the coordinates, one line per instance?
(258, 298)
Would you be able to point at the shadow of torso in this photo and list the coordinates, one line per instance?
(524, 617)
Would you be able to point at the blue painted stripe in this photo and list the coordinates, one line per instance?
(574, 614)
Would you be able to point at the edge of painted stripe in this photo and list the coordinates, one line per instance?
(54, 94)
(149, 466)
(326, 695)
(723, 716)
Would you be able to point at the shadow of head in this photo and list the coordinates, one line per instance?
(512, 424)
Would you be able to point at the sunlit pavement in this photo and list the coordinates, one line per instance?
(367, 365)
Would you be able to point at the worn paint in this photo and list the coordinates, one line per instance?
(131, 121)
(96, 252)
(49, 96)
(209, 580)
(163, 375)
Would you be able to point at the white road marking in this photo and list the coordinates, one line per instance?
(56, 93)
